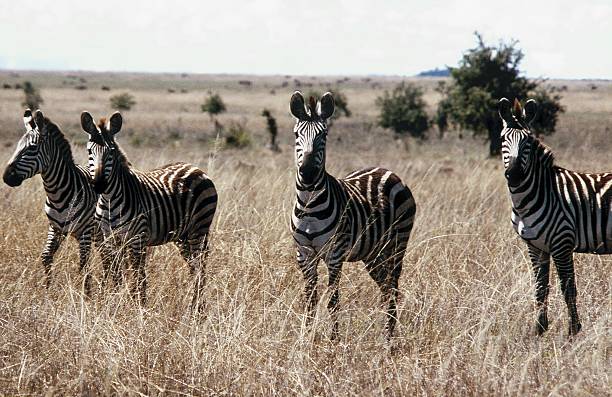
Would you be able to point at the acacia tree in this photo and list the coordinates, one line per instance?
(485, 74)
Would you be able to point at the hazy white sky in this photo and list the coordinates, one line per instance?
(561, 39)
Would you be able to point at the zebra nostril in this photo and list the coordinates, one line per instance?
(514, 175)
(11, 178)
(307, 172)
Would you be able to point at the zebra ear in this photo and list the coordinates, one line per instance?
(87, 123)
(115, 123)
(503, 108)
(297, 106)
(326, 106)
(39, 119)
(530, 111)
(27, 119)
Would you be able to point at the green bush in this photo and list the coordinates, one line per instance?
(403, 110)
(123, 101)
(486, 74)
(33, 100)
(238, 136)
(213, 105)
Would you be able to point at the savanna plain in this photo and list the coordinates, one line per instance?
(466, 310)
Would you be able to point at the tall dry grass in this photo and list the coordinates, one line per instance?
(466, 312)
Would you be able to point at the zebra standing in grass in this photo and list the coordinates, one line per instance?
(174, 203)
(71, 201)
(556, 211)
(367, 216)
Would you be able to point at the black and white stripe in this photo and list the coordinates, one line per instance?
(555, 211)
(366, 216)
(70, 202)
(174, 203)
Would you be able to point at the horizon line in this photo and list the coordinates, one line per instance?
(58, 70)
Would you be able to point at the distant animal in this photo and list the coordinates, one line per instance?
(367, 215)
(71, 200)
(137, 209)
(555, 211)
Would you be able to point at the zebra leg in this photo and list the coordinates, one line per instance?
(386, 270)
(307, 261)
(540, 262)
(84, 255)
(564, 262)
(138, 255)
(109, 265)
(54, 240)
(392, 292)
(335, 270)
(195, 253)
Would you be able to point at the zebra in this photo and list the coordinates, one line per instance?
(137, 209)
(366, 216)
(71, 201)
(554, 210)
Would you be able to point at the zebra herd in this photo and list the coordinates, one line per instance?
(366, 216)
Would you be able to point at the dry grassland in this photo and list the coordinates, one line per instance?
(466, 310)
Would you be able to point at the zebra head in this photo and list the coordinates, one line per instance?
(517, 140)
(30, 157)
(101, 148)
(310, 135)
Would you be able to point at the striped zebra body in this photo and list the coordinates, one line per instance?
(347, 219)
(554, 210)
(136, 209)
(366, 216)
(70, 200)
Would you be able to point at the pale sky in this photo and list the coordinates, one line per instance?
(560, 39)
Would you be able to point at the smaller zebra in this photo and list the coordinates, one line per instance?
(71, 201)
(138, 209)
(366, 216)
(554, 210)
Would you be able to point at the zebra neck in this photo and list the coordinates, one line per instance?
(121, 179)
(309, 196)
(536, 190)
(58, 173)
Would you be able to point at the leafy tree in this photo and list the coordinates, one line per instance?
(33, 100)
(403, 110)
(213, 105)
(123, 101)
(485, 74)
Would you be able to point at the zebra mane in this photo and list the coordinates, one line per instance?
(59, 137)
(121, 156)
(544, 153)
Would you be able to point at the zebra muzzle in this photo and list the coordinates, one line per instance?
(514, 174)
(11, 178)
(99, 184)
(308, 173)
